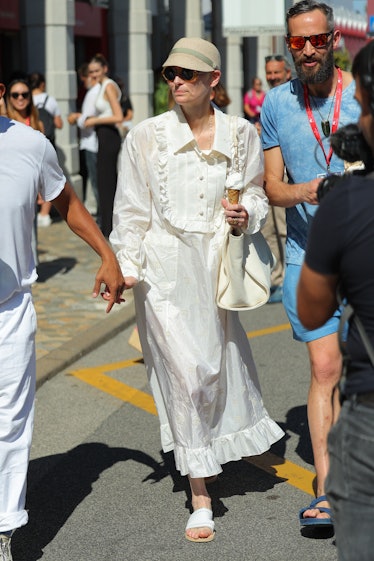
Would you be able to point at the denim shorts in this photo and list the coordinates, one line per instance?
(301, 333)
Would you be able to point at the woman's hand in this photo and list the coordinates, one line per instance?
(236, 215)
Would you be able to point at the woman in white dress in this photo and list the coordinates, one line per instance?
(169, 220)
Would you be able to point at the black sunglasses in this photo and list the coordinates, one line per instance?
(16, 95)
(170, 72)
(278, 58)
(319, 41)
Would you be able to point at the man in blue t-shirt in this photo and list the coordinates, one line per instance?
(297, 119)
(339, 253)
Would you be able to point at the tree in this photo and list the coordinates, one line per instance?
(343, 59)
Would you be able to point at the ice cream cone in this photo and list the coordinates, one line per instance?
(233, 196)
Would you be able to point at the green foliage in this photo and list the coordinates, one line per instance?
(343, 59)
(161, 97)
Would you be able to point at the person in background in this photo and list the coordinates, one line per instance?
(127, 110)
(88, 142)
(168, 230)
(19, 106)
(278, 71)
(47, 103)
(253, 100)
(28, 165)
(297, 118)
(220, 96)
(108, 116)
(338, 257)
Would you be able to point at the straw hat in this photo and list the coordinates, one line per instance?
(194, 53)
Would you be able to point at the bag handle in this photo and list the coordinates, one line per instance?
(235, 144)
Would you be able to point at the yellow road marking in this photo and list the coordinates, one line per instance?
(268, 330)
(295, 475)
(94, 377)
(281, 468)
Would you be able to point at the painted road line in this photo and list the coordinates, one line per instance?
(95, 377)
(268, 330)
(283, 469)
(293, 474)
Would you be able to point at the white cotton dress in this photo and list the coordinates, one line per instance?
(168, 230)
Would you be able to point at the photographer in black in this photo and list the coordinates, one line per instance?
(340, 253)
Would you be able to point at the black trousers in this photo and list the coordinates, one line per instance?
(107, 156)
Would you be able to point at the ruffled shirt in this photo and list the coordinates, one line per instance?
(166, 178)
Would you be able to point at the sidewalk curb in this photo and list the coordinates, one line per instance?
(59, 359)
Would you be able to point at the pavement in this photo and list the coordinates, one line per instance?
(70, 322)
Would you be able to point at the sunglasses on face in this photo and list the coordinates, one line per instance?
(170, 72)
(16, 95)
(278, 58)
(319, 41)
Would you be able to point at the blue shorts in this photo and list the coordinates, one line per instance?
(301, 333)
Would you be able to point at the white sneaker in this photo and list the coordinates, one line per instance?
(5, 553)
(44, 220)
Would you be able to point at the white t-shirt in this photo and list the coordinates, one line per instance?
(28, 165)
(103, 107)
(50, 106)
(88, 136)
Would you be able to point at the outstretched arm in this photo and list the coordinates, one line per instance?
(81, 223)
(316, 297)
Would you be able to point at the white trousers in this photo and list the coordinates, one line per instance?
(17, 392)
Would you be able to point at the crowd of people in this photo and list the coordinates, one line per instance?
(166, 229)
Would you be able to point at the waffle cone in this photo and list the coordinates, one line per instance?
(233, 196)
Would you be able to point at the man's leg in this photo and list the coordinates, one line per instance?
(17, 390)
(274, 231)
(91, 163)
(325, 362)
(325, 365)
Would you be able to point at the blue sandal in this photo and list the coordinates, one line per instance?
(316, 521)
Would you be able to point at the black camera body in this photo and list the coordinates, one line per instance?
(349, 144)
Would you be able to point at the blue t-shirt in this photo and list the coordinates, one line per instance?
(284, 123)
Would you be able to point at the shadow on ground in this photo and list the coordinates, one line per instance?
(49, 269)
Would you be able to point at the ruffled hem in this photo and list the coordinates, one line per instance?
(207, 461)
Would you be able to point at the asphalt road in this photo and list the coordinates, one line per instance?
(100, 488)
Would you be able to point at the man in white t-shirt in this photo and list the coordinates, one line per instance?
(88, 142)
(28, 166)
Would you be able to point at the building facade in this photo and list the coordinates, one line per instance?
(56, 36)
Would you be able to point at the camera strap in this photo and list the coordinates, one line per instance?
(335, 120)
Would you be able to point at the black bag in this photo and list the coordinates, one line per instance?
(48, 121)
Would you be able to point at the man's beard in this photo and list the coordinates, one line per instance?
(324, 72)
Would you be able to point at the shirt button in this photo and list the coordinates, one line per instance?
(201, 178)
(201, 195)
(201, 213)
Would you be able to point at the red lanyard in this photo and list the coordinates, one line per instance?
(335, 120)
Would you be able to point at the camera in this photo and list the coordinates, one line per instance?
(349, 144)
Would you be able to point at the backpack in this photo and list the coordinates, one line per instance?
(48, 121)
